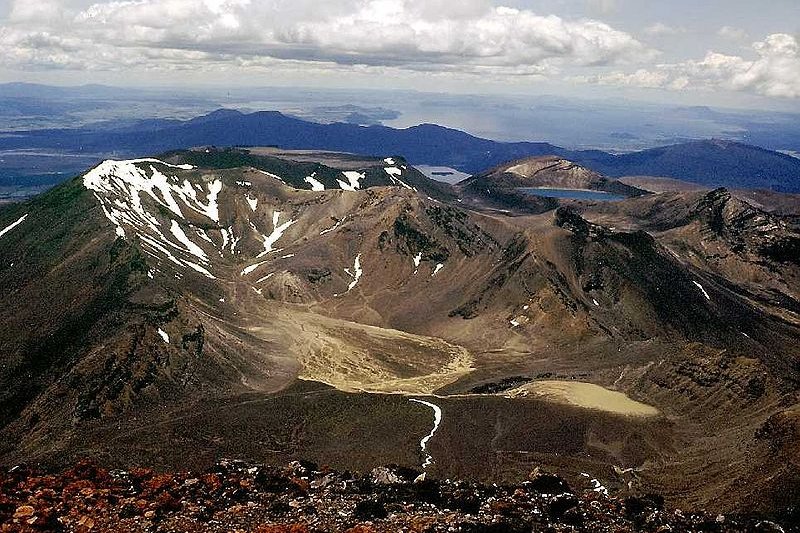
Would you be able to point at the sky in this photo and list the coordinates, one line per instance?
(725, 53)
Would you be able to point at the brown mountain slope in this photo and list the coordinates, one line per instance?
(173, 303)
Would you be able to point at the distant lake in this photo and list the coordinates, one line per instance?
(445, 174)
(573, 194)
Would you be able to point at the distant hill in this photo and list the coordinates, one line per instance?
(501, 186)
(551, 172)
(717, 163)
(708, 162)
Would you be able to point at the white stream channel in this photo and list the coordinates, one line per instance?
(437, 419)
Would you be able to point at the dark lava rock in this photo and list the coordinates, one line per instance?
(502, 526)
(504, 384)
(427, 491)
(369, 509)
(562, 503)
(270, 481)
(546, 483)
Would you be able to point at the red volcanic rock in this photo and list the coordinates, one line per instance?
(235, 497)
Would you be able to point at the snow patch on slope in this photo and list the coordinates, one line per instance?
(265, 278)
(13, 225)
(315, 184)
(228, 237)
(702, 290)
(273, 176)
(151, 160)
(277, 232)
(253, 202)
(338, 223)
(200, 269)
(252, 268)
(355, 273)
(394, 175)
(189, 196)
(417, 260)
(191, 247)
(120, 186)
(354, 178)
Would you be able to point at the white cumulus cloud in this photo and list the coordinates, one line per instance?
(416, 35)
(659, 28)
(774, 71)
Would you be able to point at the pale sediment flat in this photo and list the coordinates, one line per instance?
(587, 395)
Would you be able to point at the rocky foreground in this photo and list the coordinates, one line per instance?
(301, 498)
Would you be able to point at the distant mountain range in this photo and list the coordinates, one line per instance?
(708, 162)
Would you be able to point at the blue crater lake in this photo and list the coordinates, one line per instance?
(573, 194)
